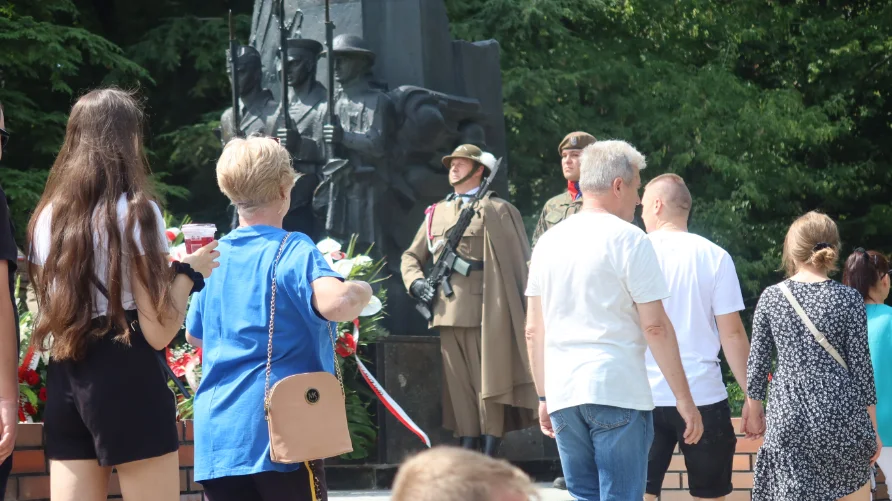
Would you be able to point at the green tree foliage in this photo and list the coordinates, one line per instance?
(46, 56)
(171, 52)
(768, 109)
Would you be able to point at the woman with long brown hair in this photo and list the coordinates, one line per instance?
(108, 297)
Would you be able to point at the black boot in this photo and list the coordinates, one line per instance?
(472, 443)
(491, 445)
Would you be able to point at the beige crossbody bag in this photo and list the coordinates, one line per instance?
(819, 337)
(306, 413)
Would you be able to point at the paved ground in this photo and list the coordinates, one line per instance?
(548, 494)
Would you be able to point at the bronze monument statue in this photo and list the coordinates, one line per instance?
(257, 103)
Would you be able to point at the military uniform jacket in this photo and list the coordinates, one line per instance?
(465, 307)
(308, 113)
(253, 116)
(556, 210)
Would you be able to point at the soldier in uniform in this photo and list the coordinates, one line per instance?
(308, 105)
(487, 386)
(257, 103)
(569, 202)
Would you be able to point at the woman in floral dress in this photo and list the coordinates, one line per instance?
(821, 424)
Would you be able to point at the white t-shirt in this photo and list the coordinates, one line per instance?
(703, 283)
(42, 240)
(590, 271)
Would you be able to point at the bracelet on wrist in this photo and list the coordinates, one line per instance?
(181, 268)
(541, 399)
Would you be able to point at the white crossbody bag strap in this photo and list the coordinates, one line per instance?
(820, 338)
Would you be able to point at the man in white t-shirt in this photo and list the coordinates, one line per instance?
(703, 306)
(594, 306)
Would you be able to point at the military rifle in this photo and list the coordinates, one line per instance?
(449, 259)
(329, 42)
(333, 164)
(233, 65)
(283, 55)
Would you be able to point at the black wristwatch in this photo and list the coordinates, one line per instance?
(181, 268)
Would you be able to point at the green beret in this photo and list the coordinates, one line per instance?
(576, 141)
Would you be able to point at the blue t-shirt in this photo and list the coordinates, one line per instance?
(879, 334)
(231, 317)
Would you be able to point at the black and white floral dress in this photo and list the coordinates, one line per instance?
(819, 439)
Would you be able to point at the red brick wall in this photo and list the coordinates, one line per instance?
(676, 482)
(30, 478)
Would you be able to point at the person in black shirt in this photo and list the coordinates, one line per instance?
(9, 330)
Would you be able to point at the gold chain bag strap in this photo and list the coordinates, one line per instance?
(306, 414)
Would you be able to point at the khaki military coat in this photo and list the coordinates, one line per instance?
(492, 299)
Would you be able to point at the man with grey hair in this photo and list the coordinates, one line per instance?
(590, 317)
(704, 308)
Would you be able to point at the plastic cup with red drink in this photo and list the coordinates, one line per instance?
(198, 235)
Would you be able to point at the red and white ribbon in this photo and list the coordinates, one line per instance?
(385, 398)
(31, 359)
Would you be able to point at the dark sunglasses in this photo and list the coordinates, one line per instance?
(4, 138)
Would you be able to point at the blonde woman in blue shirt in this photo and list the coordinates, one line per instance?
(868, 273)
(230, 320)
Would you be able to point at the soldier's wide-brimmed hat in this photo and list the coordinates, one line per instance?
(576, 141)
(351, 44)
(473, 153)
(468, 151)
(305, 43)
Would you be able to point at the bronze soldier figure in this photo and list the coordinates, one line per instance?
(487, 386)
(569, 202)
(307, 104)
(365, 116)
(257, 103)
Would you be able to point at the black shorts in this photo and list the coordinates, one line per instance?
(270, 485)
(709, 462)
(114, 405)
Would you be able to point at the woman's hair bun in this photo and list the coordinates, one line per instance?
(825, 258)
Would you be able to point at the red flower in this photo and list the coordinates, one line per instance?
(21, 414)
(22, 372)
(171, 236)
(769, 377)
(32, 377)
(178, 366)
(29, 409)
(42, 394)
(337, 256)
(346, 345)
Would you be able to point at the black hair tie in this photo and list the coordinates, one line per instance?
(186, 269)
(821, 245)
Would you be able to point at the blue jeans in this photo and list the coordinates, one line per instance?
(604, 451)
